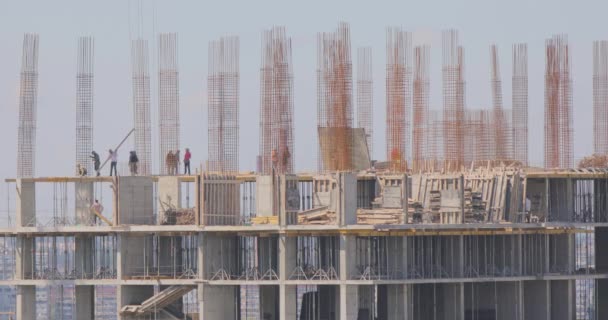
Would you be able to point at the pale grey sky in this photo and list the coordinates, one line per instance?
(480, 22)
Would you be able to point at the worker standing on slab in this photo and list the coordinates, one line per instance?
(96, 161)
(97, 208)
(133, 161)
(176, 162)
(113, 157)
(187, 156)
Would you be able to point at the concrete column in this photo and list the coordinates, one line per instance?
(269, 302)
(84, 199)
(200, 257)
(348, 262)
(85, 302)
(135, 200)
(83, 256)
(24, 259)
(216, 302)
(288, 302)
(349, 302)
(169, 195)
(120, 255)
(264, 196)
(25, 210)
(287, 256)
(26, 303)
(347, 205)
(537, 303)
(397, 302)
(563, 300)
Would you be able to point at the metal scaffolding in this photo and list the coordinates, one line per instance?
(420, 109)
(334, 100)
(519, 119)
(276, 103)
(223, 94)
(365, 95)
(453, 99)
(28, 96)
(84, 102)
(398, 96)
(141, 104)
(600, 97)
(558, 104)
(168, 98)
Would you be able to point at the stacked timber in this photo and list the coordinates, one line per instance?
(474, 206)
(379, 216)
(415, 211)
(318, 216)
(265, 220)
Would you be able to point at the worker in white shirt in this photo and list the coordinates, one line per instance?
(97, 208)
(113, 157)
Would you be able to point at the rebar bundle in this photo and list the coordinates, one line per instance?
(502, 142)
(168, 98)
(479, 136)
(519, 119)
(453, 99)
(141, 104)
(223, 95)
(398, 96)
(28, 96)
(276, 103)
(420, 109)
(84, 102)
(334, 100)
(558, 104)
(600, 97)
(365, 95)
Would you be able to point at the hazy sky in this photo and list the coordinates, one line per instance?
(113, 22)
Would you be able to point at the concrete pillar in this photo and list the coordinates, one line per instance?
(85, 196)
(346, 210)
(508, 296)
(169, 195)
(288, 296)
(26, 303)
(287, 256)
(563, 300)
(216, 302)
(120, 255)
(135, 200)
(265, 196)
(83, 256)
(25, 210)
(85, 302)
(398, 302)
(269, 303)
(349, 302)
(24, 259)
(348, 257)
(200, 257)
(537, 300)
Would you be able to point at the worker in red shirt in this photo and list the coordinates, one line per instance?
(187, 156)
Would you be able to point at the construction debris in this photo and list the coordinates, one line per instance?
(594, 161)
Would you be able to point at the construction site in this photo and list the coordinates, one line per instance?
(453, 224)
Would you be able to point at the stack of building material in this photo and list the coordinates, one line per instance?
(265, 220)
(415, 210)
(317, 216)
(178, 216)
(474, 206)
(379, 216)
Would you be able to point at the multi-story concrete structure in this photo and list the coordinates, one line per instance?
(493, 244)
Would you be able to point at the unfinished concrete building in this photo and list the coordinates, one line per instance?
(482, 244)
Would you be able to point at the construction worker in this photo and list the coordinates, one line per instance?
(187, 156)
(169, 162)
(96, 161)
(96, 208)
(82, 171)
(176, 162)
(285, 158)
(274, 158)
(113, 157)
(133, 161)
